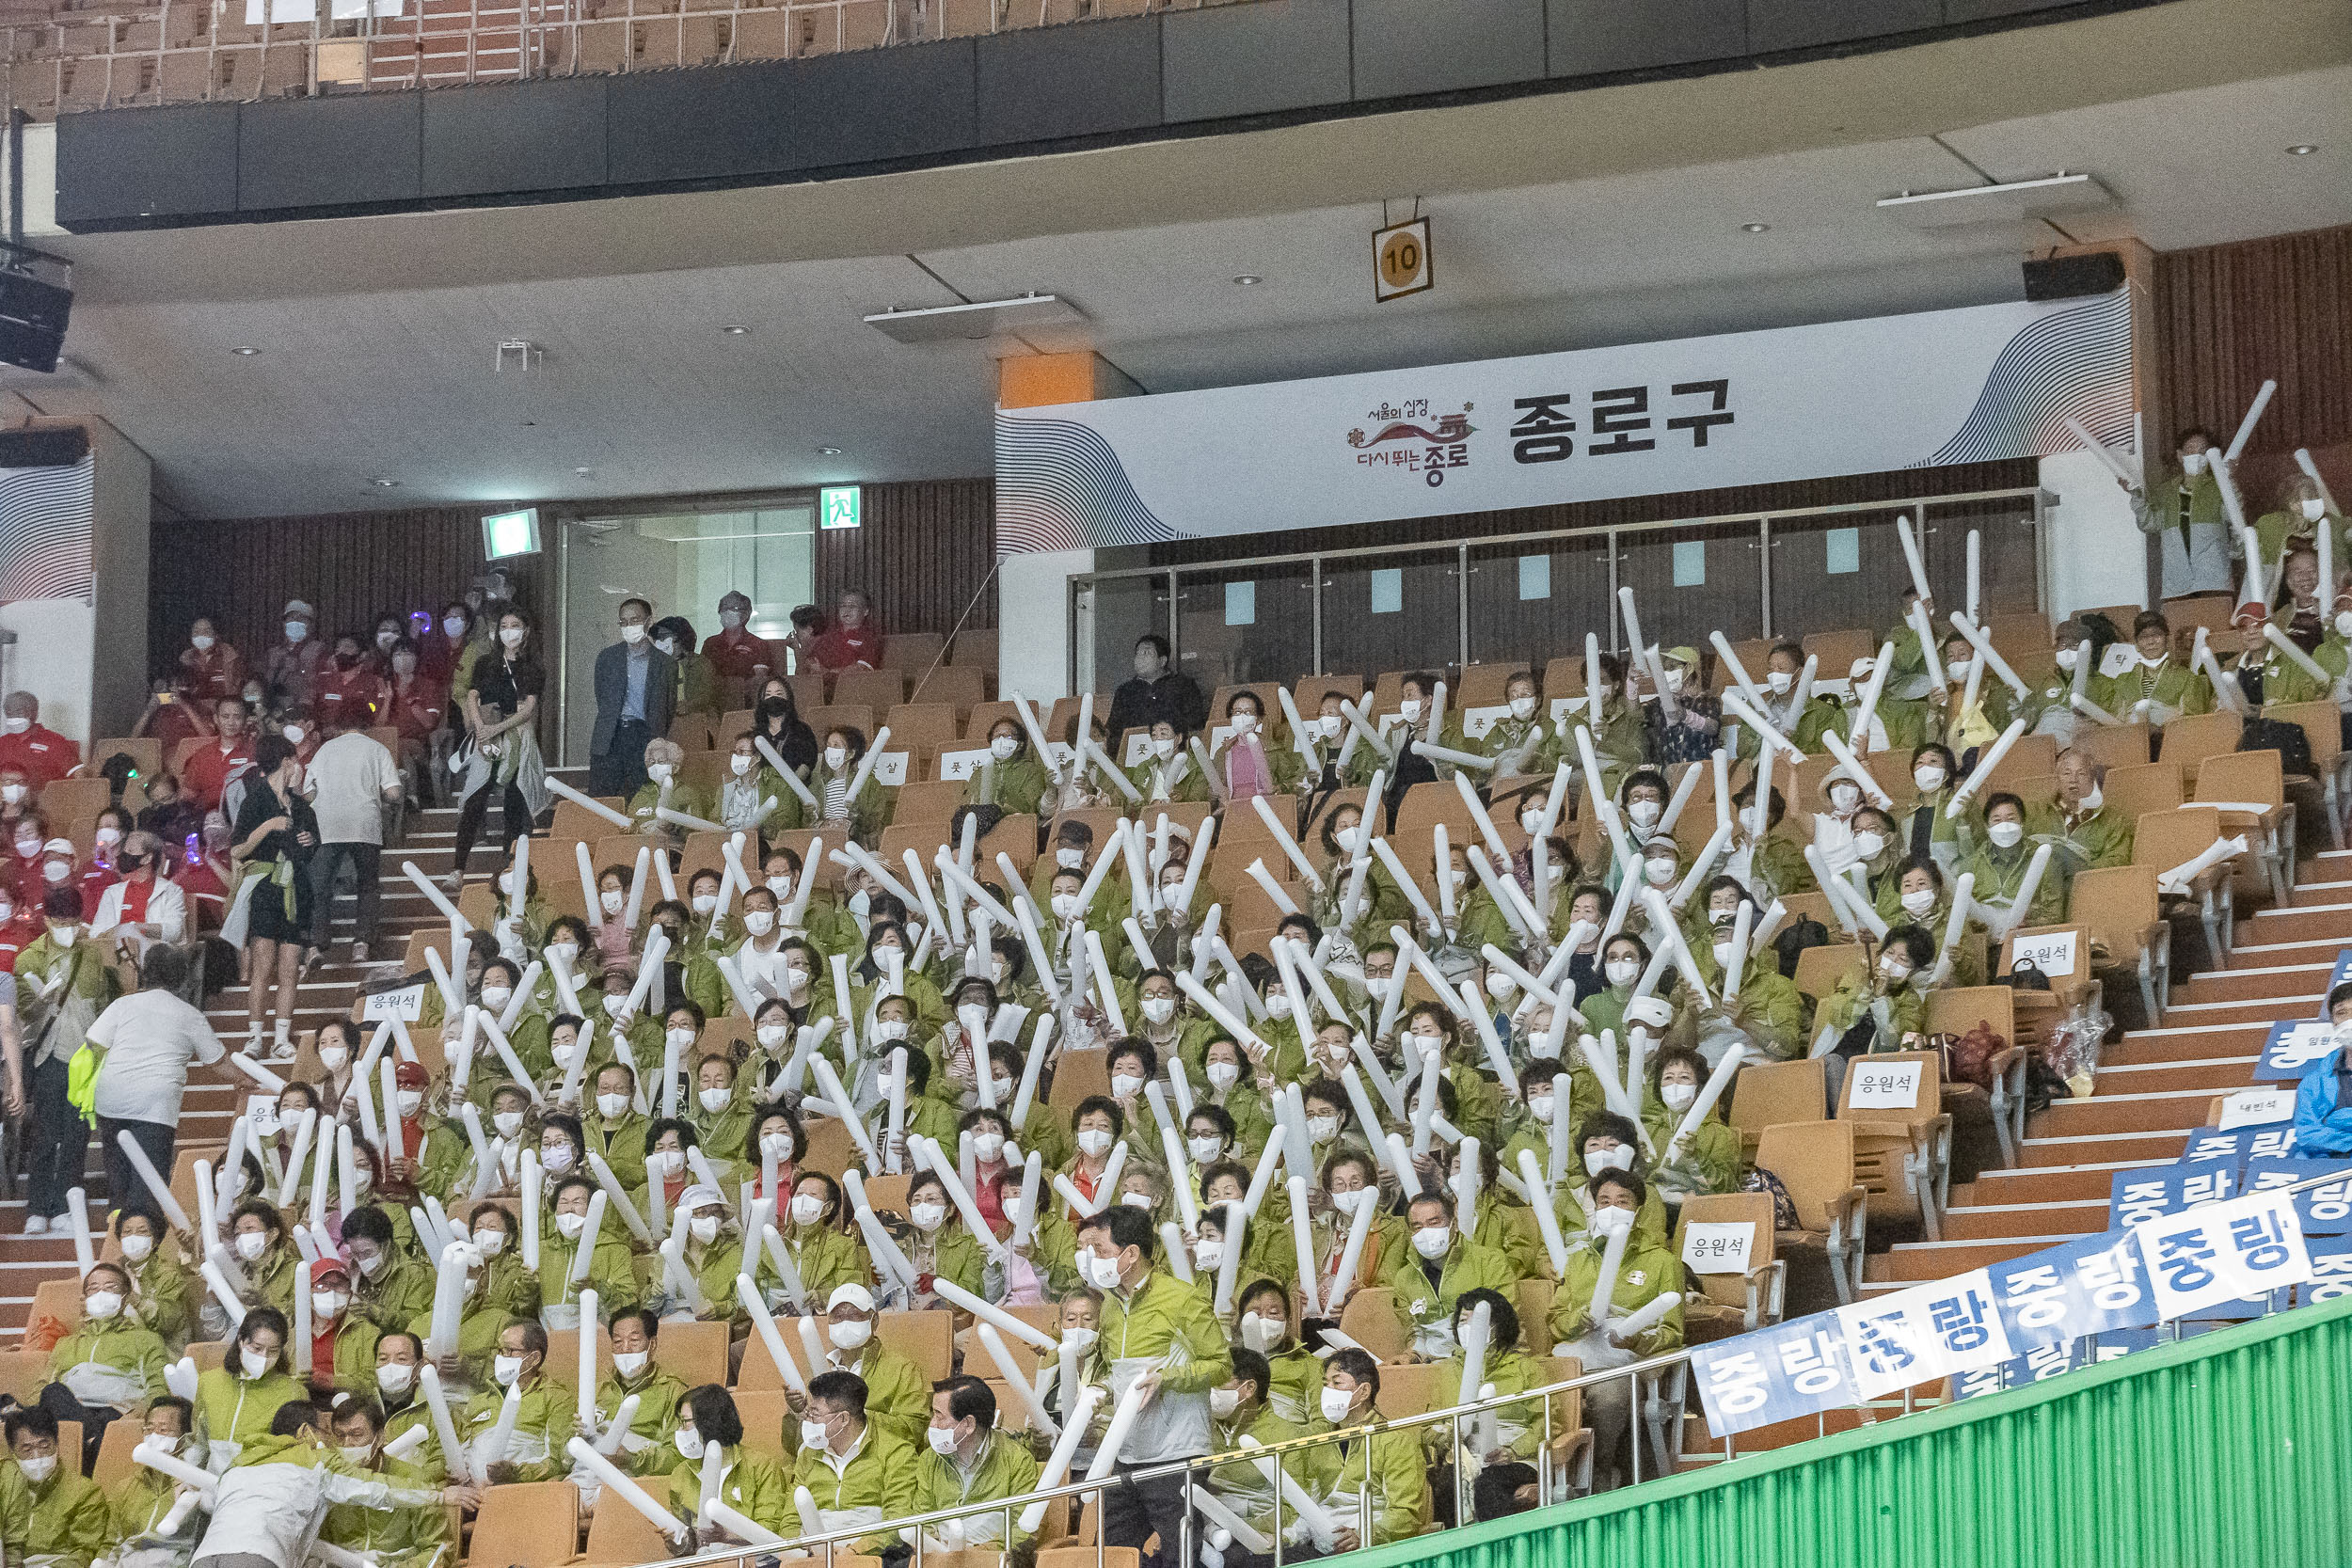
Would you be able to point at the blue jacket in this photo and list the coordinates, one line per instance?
(2322, 1123)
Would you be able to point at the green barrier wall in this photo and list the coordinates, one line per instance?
(2232, 1448)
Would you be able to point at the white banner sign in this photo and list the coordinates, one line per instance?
(406, 1005)
(1939, 386)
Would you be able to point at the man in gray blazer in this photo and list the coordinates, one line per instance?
(636, 698)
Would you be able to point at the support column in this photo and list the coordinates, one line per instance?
(1033, 614)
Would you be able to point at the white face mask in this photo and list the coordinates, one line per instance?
(1125, 1085)
(665, 1162)
(1224, 1075)
(332, 1057)
(102, 1304)
(394, 1378)
(2006, 835)
(1322, 1129)
(2066, 657)
(777, 1145)
(293, 733)
(512, 635)
(1330, 725)
(688, 1443)
(611, 1106)
(1780, 682)
(1843, 798)
(928, 1217)
(1159, 1010)
(1433, 1242)
(986, 1146)
(2314, 508)
(706, 902)
(1919, 902)
(1928, 778)
(1644, 813)
(556, 1159)
(780, 887)
(136, 1247)
(1336, 1404)
(252, 1362)
(2193, 463)
(570, 1225)
(850, 1335)
(1243, 723)
(1895, 969)
(1410, 708)
(1223, 1402)
(1867, 843)
(1102, 1273)
(409, 1099)
(1163, 747)
(1523, 708)
(942, 1439)
(815, 1435)
(715, 1100)
(491, 1242)
(891, 1029)
(39, 1470)
(612, 898)
(1204, 1151)
(504, 1370)
(836, 756)
(297, 630)
(807, 1208)
(1003, 747)
(1597, 1159)
(1673, 678)
(326, 1304)
(1624, 972)
(759, 921)
(1136, 1200)
(252, 1244)
(1723, 954)
(507, 1122)
(632, 634)
(1659, 873)
(704, 1228)
(1678, 1096)
(497, 996)
(628, 1363)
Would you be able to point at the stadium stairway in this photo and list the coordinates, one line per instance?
(2154, 1086)
(214, 1094)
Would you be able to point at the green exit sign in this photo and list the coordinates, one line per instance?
(837, 506)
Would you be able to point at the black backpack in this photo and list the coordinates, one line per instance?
(1801, 932)
(2273, 734)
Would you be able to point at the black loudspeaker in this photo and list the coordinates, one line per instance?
(2096, 272)
(44, 449)
(32, 320)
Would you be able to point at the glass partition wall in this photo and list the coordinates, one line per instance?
(1526, 598)
(684, 561)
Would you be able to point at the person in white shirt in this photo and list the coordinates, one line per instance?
(145, 907)
(351, 777)
(146, 1038)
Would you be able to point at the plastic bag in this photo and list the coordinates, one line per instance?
(2073, 1048)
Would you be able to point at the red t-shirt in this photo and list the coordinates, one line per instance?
(208, 769)
(206, 894)
(16, 934)
(417, 711)
(349, 699)
(46, 755)
(734, 654)
(847, 647)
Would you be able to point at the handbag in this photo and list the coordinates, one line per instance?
(2025, 974)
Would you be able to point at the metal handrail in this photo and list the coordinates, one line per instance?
(2026, 492)
(1133, 1475)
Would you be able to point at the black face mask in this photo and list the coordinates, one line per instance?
(773, 709)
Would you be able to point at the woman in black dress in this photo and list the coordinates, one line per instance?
(777, 721)
(501, 711)
(276, 834)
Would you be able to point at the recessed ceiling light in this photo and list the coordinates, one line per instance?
(2302, 149)
(829, 452)
(385, 484)
(243, 352)
(1753, 227)
(735, 330)
(1248, 279)
(583, 472)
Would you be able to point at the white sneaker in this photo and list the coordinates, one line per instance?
(281, 1051)
(35, 1225)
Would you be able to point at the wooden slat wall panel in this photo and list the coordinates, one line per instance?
(351, 566)
(1842, 490)
(2230, 316)
(925, 549)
